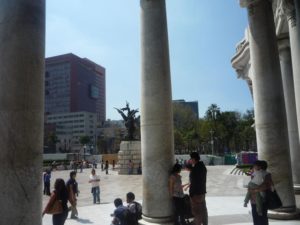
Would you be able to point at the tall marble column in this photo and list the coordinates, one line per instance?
(156, 113)
(269, 106)
(292, 9)
(290, 106)
(22, 44)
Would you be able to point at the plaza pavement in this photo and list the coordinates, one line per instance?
(225, 195)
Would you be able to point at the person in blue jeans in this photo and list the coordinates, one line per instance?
(95, 181)
(47, 177)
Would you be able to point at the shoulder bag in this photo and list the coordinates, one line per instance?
(55, 208)
(273, 200)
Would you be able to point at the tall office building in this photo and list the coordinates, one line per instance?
(74, 84)
(193, 105)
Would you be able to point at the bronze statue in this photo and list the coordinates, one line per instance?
(130, 120)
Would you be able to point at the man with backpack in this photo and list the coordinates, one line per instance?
(120, 213)
(134, 207)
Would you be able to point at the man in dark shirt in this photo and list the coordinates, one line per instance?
(198, 190)
(72, 187)
(119, 213)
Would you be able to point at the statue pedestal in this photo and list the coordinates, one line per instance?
(129, 150)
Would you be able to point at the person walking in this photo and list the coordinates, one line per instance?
(60, 194)
(130, 167)
(260, 218)
(197, 190)
(72, 187)
(106, 167)
(95, 181)
(102, 165)
(176, 192)
(47, 178)
(257, 178)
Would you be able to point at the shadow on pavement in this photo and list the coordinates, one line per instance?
(84, 221)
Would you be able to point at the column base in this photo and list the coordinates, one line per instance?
(156, 221)
(297, 189)
(284, 213)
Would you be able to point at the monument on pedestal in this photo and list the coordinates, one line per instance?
(129, 156)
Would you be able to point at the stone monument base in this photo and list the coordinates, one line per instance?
(129, 150)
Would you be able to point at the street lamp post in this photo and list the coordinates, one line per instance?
(84, 147)
(212, 141)
(92, 150)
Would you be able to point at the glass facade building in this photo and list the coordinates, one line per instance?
(74, 84)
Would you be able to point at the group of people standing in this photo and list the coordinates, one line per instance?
(197, 191)
(261, 181)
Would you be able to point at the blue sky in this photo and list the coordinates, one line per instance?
(202, 38)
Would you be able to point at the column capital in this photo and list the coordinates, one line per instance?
(287, 5)
(288, 9)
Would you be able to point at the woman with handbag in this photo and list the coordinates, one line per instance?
(261, 219)
(176, 192)
(57, 204)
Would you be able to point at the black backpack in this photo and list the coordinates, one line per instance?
(138, 210)
(129, 218)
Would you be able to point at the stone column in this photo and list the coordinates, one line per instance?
(156, 113)
(293, 15)
(22, 44)
(290, 106)
(269, 106)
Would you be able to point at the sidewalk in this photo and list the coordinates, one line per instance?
(221, 211)
(224, 198)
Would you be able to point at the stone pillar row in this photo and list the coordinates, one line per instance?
(290, 106)
(22, 46)
(269, 104)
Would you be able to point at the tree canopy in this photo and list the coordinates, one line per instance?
(218, 132)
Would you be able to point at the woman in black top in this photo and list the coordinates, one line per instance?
(60, 193)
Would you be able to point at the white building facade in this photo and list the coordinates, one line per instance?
(71, 126)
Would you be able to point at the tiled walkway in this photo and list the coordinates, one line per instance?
(224, 198)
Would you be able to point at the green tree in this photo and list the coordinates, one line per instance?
(185, 129)
(51, 141)
(84, 140)
(227, 131)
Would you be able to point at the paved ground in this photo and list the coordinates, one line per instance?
(224, 198)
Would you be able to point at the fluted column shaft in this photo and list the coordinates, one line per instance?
(269, 106)
(22, 44)
(156, 113)
(293, 16)
(290, 106)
